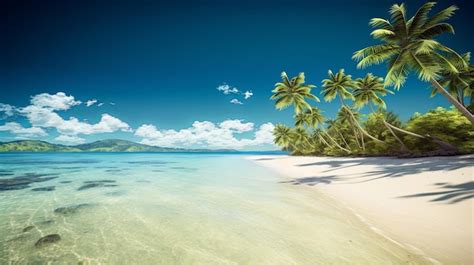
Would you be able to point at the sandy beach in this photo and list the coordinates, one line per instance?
(423, 204)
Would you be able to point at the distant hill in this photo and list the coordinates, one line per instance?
(35, 146)
(110, 145)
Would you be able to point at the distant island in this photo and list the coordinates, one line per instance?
(109, 145)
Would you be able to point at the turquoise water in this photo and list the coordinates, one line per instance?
(172, 209)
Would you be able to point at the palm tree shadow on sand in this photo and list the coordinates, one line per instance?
(311, 181)
(450, 193)
(395, 168)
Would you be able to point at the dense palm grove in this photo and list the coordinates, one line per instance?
(408, 45)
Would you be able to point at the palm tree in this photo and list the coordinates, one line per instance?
(334, 125)
(314, 118)
(283, 136)
(459, 83)
(301, 139)
(293, 92)
(409, 45)
(369, 91)
(344, 116)
(339, 85)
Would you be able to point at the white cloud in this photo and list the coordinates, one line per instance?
(91, 102)
(8, 110)
(236, 102)
(112, 103)
(42, 113)
(226, 89)
(100, 104)
(248, 94)
(70, 139)
(58, 101)
(19, 130)
(236, 125)
(47, 118)
(208, 135)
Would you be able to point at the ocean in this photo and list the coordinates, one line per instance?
(171, 208)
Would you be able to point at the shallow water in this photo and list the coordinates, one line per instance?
(173, 209)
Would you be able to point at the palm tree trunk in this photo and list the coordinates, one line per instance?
(362, 129)
(402, 145)
(453, 101)
(324, 141)
(334, 141)
(343, 139)
(404, 131)
(363, 142)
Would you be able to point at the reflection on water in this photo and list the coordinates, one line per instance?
(172, 209)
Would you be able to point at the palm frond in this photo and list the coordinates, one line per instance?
(436, 30)
(443, 15)
(419, 19)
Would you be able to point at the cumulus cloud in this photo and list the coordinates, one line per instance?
(6, 110)
(58, 101)
(100, 104)
(226, 89)
(91, 102)
(47, 118)
(208, 135)
(236, 102)
(19, 130)
(248, 94)
(236, 125)
(42, 113)
(71, 139)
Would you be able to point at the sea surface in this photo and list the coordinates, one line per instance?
(106, 208)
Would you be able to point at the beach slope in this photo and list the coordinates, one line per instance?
(424, 204)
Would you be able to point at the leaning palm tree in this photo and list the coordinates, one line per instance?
(314, 119)
(347, 117)
(339, 85)
(292, 92)
(336, 127)
(283, 136)
(304, 119)
(459, 83)
(301, 139)
(409, 45)
(369, 91)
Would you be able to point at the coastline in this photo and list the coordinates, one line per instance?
(423, 204)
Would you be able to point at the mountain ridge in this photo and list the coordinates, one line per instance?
(107, 145)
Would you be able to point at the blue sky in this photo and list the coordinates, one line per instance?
(160, 64)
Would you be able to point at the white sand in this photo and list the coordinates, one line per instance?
(425, 204)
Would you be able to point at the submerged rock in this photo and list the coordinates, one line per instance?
(47, 222)
(97, 184)
(65, 181)
(28, 228)
(143, 181)
(90, 186)
(24, 181)
(116, 193)
(49, 188)
(46, 240)
(67, 210)
(100, 181)
(113, 170)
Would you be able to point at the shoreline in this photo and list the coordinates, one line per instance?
(423, 204)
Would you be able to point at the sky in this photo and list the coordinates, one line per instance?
(183, 73)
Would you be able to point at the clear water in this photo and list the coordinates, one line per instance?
(175, 209)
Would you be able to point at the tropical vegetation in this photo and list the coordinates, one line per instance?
(407, 45)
